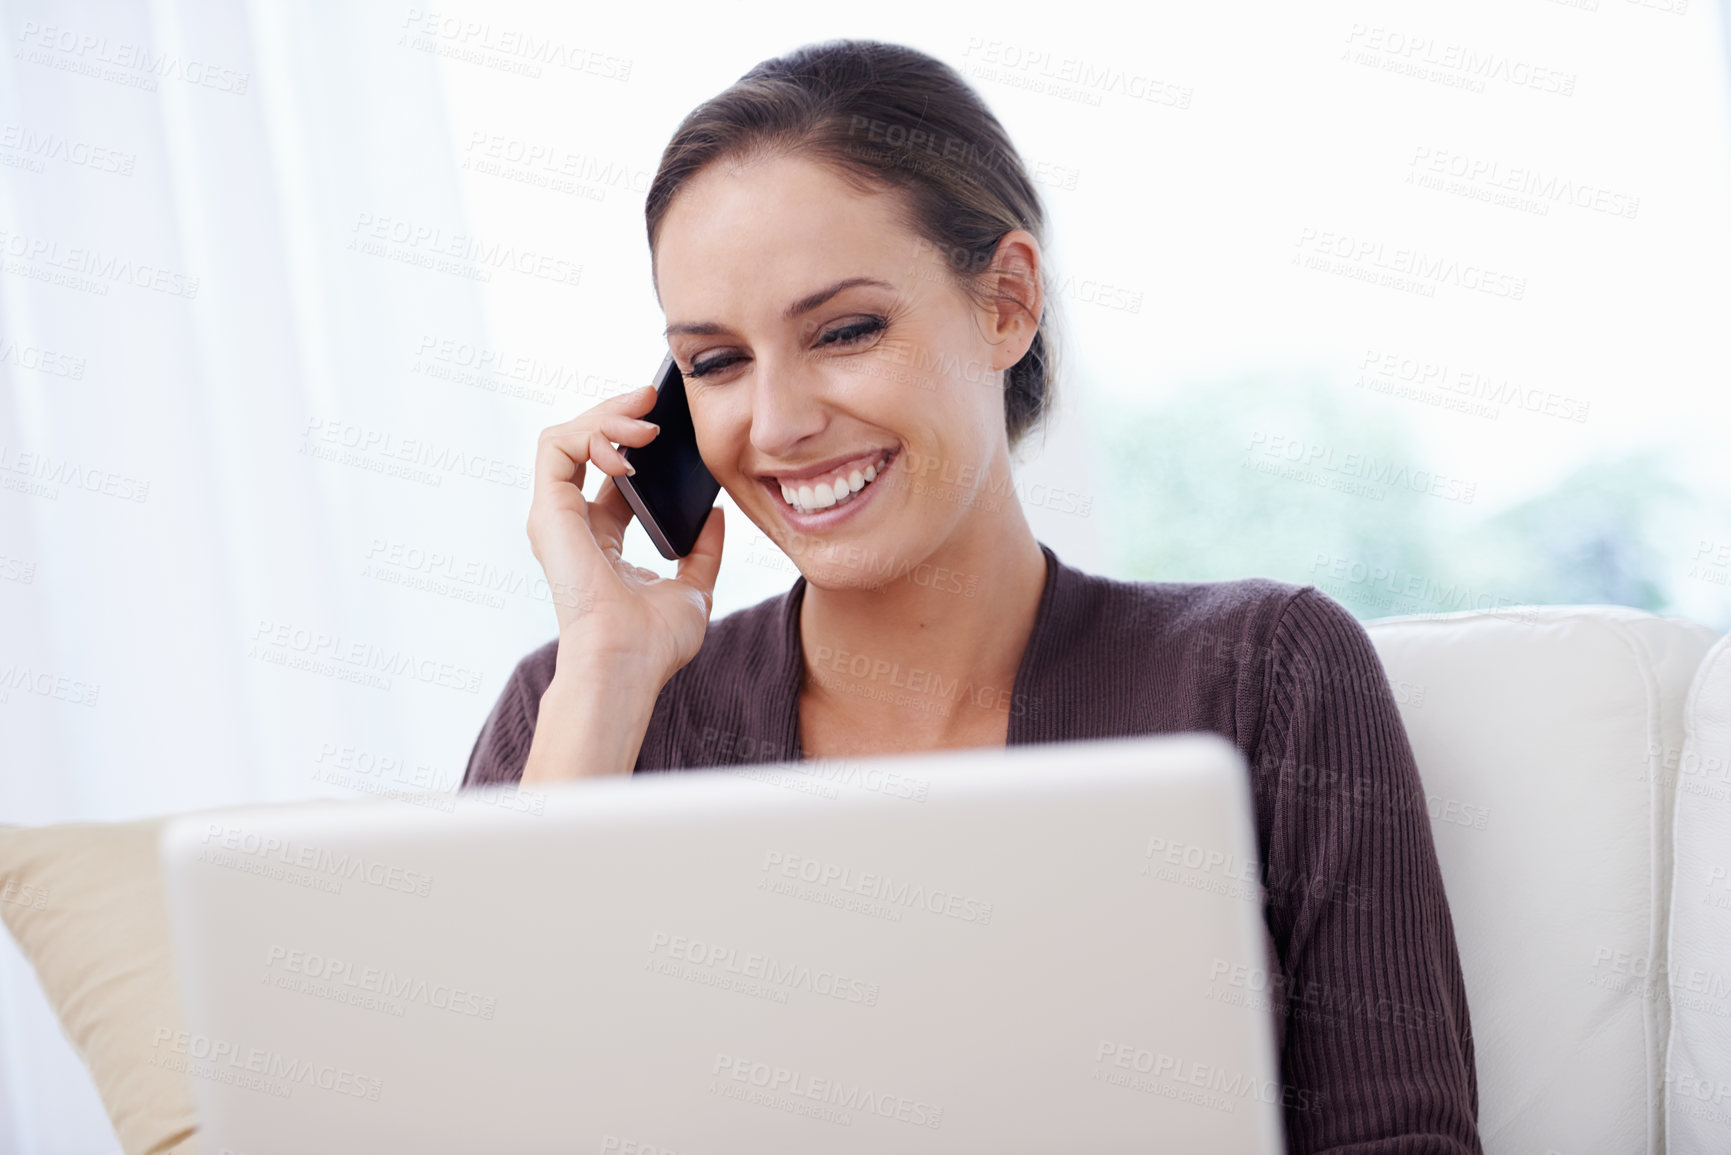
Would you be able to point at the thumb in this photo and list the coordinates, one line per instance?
(698, 568)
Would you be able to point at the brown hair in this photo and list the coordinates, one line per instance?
(884, 115)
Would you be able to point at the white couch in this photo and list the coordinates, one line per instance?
(1551, 744)
(1575, 761)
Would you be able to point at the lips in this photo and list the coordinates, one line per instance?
(817, 499)
(831, 484)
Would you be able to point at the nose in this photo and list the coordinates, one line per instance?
(787, 406)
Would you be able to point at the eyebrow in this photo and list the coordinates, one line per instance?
(804, 305)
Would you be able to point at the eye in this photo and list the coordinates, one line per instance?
(852, 333)
(714, 364)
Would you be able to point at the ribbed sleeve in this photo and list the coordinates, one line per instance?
(1375, 1005)
(501, 750)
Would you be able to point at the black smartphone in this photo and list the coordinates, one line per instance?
(672, 491)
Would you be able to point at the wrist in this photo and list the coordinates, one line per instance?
(587, 728)
(583, 666)
(592, 693)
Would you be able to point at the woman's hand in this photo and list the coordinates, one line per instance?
(639, 627)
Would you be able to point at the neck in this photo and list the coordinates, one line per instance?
(926, 646)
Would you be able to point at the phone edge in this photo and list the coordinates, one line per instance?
(646, 519)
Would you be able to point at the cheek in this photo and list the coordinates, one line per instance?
(963, 413)
(949, 384)
(918, 371)
(719, 430)
(904, 385)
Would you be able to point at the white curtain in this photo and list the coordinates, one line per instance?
(221, 472)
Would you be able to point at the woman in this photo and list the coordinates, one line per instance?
(848, 252)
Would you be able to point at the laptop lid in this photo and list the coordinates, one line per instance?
(994, 950)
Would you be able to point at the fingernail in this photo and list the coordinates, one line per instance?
(631, 469)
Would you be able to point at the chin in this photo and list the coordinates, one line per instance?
(836, 578)
(865, 562)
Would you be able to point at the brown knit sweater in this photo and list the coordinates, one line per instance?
(1370, 1005)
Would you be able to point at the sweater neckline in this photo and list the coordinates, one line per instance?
(793, 659)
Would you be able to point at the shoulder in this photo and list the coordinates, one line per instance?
(1258, 635)
(1255, 619)
(1219, 616)
(1120, 656)
(1320, 649)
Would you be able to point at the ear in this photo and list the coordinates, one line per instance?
(1017, 300)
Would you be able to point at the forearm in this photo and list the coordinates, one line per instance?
(588, 727)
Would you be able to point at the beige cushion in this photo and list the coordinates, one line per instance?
(85, 902)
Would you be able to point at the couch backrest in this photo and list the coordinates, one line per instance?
(1541, 736)
(1698, 1069)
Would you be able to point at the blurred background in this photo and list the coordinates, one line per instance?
(1424, 304)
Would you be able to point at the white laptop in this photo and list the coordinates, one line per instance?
(1031, 948)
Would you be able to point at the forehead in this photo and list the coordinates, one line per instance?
(748, 239)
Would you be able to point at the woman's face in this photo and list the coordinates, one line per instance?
(829, 358)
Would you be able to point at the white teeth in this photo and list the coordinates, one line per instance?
(828, 494)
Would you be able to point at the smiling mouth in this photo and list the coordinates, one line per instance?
(816, 494)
